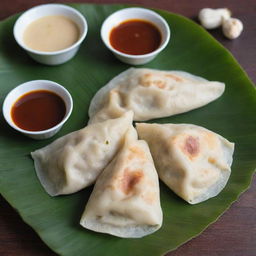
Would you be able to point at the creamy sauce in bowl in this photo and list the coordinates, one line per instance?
(51, 33)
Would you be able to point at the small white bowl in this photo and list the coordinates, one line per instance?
(135, 13)
(56, 57)
(24, 88)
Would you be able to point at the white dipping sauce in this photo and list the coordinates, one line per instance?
(51, 33)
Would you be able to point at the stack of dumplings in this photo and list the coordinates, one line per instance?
(195, 163)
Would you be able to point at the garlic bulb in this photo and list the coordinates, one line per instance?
(212, 18)
(232, 28)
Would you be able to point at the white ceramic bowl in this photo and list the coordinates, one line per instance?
(135, 13)
(31, 86)
(56, 57)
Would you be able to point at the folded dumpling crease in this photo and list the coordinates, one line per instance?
(75, 160)
(125, 201)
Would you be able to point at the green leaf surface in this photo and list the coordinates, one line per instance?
(192, 49)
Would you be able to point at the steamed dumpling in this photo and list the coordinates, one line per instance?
(125, 200)
(74, 161)
(191, 160)
(152, 94)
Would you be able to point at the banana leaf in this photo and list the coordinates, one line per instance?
(192, 49)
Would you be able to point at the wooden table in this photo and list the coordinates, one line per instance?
(234, 234)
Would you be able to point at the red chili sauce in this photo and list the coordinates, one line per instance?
(135, 37)
(38, 110)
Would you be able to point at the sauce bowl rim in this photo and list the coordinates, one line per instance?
(50, 53)
(138, 56)
(7, 105)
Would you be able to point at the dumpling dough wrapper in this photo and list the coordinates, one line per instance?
(125, 201)
(75, 160)
(192, 161)
(152, 93)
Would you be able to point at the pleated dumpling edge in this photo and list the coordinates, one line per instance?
(152, 93)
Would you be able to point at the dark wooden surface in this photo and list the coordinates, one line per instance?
(234, 234)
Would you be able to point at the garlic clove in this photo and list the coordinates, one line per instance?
(212, 18)
(232, 28)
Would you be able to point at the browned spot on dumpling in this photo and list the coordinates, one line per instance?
(151, 80)
(211, 160)
(116, 97)
(113, 94)
(130, 179)
(211, 140)
(176, 78)
(145, 80)
(191, 146)
(136, 152)
(148, 75)
(160, 84)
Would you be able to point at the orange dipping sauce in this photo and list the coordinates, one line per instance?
(135, 37)
(38, 110)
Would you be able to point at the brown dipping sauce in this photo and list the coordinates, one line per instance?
(135, 37)
(38, 110)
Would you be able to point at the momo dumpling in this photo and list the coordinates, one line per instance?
(192, 161)
(74, 161)
(125, 201)
(152, 94)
